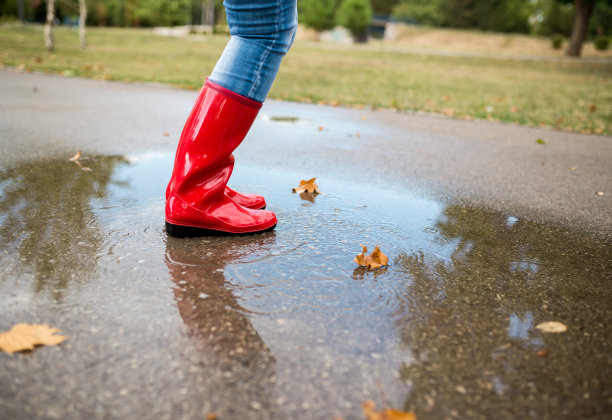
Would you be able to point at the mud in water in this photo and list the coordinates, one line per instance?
(284, 324)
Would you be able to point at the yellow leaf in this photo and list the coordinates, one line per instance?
(307, 186)
(375, 260)
(551, 327)
(76, 157)
(26, 336)
(369, 408)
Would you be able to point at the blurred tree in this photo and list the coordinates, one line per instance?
(493, 15)
(317, 14)
(425, 12)
(383, 7)
(355, 15)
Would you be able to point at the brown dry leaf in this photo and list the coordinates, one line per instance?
(600, 193)
(321, 128)
(543, 353)
(375, 260)
(334, 103)
(76, 157)
(86, 169)
(369, 408)
(357, 134)
(592, 108)
(26, 336)
(363, 118)
(446, 98)
(307, 186)
(551, 327)
(166, 134)
(514, 109)
(573, 168)
(449, 112)
(87, 67)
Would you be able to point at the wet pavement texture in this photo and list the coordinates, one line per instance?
(284, 324)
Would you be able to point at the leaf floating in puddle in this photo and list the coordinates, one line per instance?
(375, 260)
(26, 336)
(551, 327)
(369, 408)
(307, 186)
(76, 157)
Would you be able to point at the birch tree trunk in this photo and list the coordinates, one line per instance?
(50, 21)
(82, 23)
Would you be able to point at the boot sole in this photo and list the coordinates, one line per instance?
(179, 231)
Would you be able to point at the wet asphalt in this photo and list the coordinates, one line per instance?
(488, 233)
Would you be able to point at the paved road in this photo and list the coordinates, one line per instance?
(497, 166)
(284, 325)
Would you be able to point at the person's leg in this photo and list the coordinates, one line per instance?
(261, 34)
(196, 199)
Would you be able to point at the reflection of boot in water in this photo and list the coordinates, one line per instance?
(235, 358)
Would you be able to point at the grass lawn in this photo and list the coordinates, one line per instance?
(564, 94)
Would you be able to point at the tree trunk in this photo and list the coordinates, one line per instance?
(82, 23)
(50, 21)
(20, 10)
(208, 13)
(582, 14)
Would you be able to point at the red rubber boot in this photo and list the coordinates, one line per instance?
(196, 202)
(250, 201)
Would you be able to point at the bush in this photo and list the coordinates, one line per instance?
(355, 15)
(425, 12)
(557, 41)
(601, 42)
(317, 14)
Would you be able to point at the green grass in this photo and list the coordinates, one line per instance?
(566, 94)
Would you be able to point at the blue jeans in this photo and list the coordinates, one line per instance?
(262, 32)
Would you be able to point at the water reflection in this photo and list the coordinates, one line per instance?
(470, 319)
(46, 216)
(238, 363)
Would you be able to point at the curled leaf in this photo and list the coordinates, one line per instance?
(369, 408)
(76, 157)
(26, 336)
(375, 260)
(307, 186)
(551, 327)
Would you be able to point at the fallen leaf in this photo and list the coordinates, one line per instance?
(592, 108)
(211, 416)
(334, 103)
(76, 157)
(363, 118)
(86, 169)
(573, 168)
(166, 134)
(307, 186)
(543, 353)
(87, 67)
(38, 60)
(514, 109)
(375, 260)
(600, 193)
(551, 327)
(26, 336)
(446, 98)
(369, 408)
(321, 128)
(449, 112)
(540, 141)
(357, 134)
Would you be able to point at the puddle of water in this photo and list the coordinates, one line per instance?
(285, 119)
(284, 324)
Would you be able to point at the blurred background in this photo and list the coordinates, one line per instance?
(531, 62)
